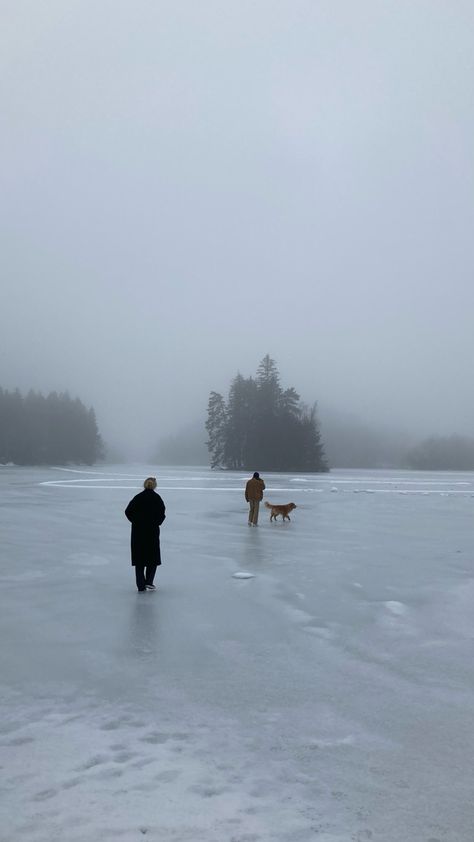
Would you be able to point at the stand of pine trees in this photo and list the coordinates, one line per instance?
(263, 427)
(38, 430)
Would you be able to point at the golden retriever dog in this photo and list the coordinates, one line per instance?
(284, 511)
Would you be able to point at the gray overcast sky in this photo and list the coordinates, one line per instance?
(187, 186)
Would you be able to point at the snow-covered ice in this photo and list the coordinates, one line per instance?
(329, 697)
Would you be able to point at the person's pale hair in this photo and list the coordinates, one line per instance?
(150, 483)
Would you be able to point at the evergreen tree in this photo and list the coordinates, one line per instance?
(312, 450)
(239, 424)
(290, 402)
(36, 430)
(216, 428)
(265, 425)
(268, 381)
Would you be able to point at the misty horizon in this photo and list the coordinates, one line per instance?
(187, 188)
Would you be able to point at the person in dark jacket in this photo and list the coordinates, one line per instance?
(253, 494)
(146, 513)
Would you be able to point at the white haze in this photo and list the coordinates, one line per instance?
(189, 186)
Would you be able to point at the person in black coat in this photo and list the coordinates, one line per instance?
(146, 513)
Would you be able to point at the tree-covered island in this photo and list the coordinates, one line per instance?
(263, 425)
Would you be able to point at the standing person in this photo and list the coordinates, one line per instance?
(253, 494)
(146, 513)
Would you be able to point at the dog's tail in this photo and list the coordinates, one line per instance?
(268, 505)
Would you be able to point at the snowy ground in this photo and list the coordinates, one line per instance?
(328, 698)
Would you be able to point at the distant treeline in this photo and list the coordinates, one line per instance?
(348, 443)
(263, 427)
(443, 453)
(38, 430)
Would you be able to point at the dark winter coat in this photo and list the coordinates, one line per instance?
(254, 489)
(146, 513)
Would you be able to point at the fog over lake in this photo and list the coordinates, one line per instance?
(189, 186)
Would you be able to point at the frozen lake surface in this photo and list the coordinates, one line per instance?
(328, 697)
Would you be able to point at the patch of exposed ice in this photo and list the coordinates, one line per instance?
(297, 614)
(333, 743)
(397, 608)
(86, 560)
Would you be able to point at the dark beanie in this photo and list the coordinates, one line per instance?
(256, 475)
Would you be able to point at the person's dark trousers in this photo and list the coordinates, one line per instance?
(144, 576)
(150, 573)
